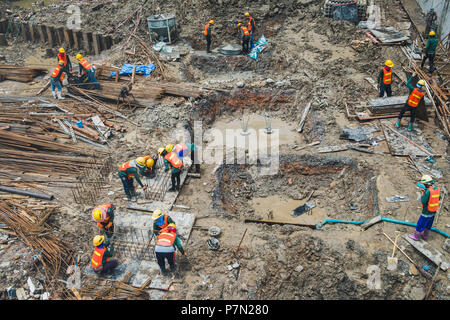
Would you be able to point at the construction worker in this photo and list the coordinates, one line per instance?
(56, 79)
(385, 79)
(171, 161)
(86, 68)
(430, 205)
(149, 169)
(245, 38)
(207, 33)
(160, 221)
(182, 150)
(166, 244)
(251, 28)
(431, 19)
(100, 261)
(62, 56)
(412, 102)
(104, 216)
(127, 171)
(430, 51)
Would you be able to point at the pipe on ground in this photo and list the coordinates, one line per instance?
(26, 193)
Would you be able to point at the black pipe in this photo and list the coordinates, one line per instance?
(27, 193)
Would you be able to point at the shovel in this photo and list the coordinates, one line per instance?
(393, 261)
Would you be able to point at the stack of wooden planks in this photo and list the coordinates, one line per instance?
(19, 73)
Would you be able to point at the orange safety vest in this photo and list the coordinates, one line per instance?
(86, 65)
(63, 57)
(250, 19)
(174, 160)
(56, 72)
(125, 166)
(165, 222)
(387, 76)
(97, 257)
(205, 32)
(433, 202)
(245, 30)
(180, 147)
(166, 239)
(415, 97)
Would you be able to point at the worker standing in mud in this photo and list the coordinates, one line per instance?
(62, 56)
(166, 244)
(103, 215)
(85, 68)
(412, 102)
(160, 221)
(430, 205)
(208, 35)
(100, 261)
(172, 162)
(56, 79)
(127, 171)
(245, 38)
(430, 51)
(385, 79)
(251, 28)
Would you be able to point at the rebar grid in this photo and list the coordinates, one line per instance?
(133, 242)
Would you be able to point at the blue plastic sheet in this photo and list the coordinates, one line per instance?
(259, 46)
(127, 69)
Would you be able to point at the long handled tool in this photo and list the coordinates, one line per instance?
(417, 268)
(393, 261)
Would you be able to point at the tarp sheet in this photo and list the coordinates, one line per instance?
(259, 46)
(127, 69)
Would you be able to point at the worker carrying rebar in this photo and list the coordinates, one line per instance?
(62, 56)
(56, 79)
(100, 261)
(160, 221)
(412, 102)
(431, 195)
(86, 68)
(430, 51)
(431, 19)
(149, 169)
(208, 35)
(166, 244)
(245, 38)
(127, 171)
(385, 79)
(103, 215)
(251, 28)
(172, 162)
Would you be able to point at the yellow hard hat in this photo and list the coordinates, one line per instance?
(79, 56)
(247, 14)
(150, 163)
(98, 240)
(389, 63)
(169, 147)
(61, 62)
(421, 82)
(141, 161)
(426, 179)
(239, 24)
(432, 33)
(211, 22)
(160, 150)
(98, 215)
(173, 226)
(61, 50)
(156, 214)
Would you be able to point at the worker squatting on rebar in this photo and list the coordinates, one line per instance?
(100, 261)
(103, 215)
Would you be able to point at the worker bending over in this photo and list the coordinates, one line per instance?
(430, 51)
(149, 168)
(245, 38)
(251, 28)
(430, 205)
(104, 216)
(100, 261)
(56, 79)
(166, 243)
(160, 221)
(127, 171)
(86, 68)
(62, 56)
(172, 162)
(208, 35)
(385, 79)
(412, 102)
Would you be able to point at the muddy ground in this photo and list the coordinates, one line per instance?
(309, 58)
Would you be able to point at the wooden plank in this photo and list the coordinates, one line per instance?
(86, 45)
(67, 39)
(41, 32)
(61, 39)
(303, 119)
(96, 43)
(103, 43)
(408, 140)
(428, 251)
(76, 39)
(32, 32)
(24, 31)
(371, 222)
(50, 35)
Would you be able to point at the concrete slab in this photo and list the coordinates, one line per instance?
(125, 266)
(428, 251)
(159, 282)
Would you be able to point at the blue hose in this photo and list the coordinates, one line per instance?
(320, 224)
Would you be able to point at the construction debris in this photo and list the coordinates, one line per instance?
(19, 73)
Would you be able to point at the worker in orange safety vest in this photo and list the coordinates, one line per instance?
(166, 244)
(245, 38)
(208, 35)
(171, 161)
(56, 79)
(385, 79)
(62, 56)
(412, 102)
(103, 215)
(100, 260)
